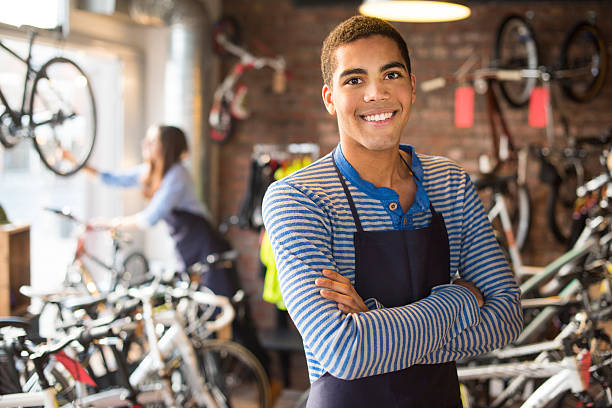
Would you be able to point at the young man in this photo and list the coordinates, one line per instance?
(367, 238)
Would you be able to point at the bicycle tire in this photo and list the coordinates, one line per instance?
(560, 205)
(134, 270)
(516, 48)
(6, 123)
(228, 26)
(57, 125)
(518, 203)
(234, 371)
(584, 46)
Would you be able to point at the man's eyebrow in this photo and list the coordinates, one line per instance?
(394, 64)
(352, 71)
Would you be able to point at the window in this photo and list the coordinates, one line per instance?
(27, 187)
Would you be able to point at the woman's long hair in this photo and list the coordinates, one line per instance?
(173, 145)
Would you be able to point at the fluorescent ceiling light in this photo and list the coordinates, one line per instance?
(414, 11)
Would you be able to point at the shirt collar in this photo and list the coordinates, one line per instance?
(421, 202)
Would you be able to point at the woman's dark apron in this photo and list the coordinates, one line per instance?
(195, 238)
(396, 267)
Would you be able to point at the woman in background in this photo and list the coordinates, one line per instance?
(166, 182)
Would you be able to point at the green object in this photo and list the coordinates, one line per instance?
(271, 291)
(3, 218)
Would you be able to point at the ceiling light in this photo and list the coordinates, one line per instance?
(414, 11)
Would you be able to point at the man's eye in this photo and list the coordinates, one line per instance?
(393, 75)
(353, 81)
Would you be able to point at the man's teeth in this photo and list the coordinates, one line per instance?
(378, 117)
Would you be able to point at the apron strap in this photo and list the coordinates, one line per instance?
(431, 208)
(348, 195)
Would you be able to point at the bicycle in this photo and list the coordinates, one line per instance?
(579, 375)
(506, 159)
(58, 114)
(574, 272)
(228, 100)
(174, 362)
(126, 271)
(581, 68)
(564, 171)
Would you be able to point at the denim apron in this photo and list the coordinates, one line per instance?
(395, 267)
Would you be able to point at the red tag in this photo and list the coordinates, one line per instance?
(538, 105)
(75, 368)
(585, 365)
(464, 107)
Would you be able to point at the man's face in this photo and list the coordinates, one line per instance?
(371, 93)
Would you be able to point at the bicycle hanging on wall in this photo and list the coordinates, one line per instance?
(57, 112)
(580, 72)
(229, 98)
(581, 68)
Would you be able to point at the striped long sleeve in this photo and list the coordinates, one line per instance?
(311, 229)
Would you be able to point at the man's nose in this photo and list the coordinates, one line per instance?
(375, 90)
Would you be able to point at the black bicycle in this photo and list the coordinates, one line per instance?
(581, 68)
(57, 112)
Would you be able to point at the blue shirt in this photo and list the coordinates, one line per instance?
(175, 192)
(310, 225)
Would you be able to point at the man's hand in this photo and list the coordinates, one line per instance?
(472, 288)
(341, 291)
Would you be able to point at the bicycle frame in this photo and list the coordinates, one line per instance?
(562, 376)
(46, 398)
(17, 115)
(174, 339)
(500, 210)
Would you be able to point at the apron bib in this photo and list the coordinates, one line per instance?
(397, 268)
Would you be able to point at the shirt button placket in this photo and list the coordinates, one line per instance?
(393, 206)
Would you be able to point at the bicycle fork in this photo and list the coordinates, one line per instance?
(500, 209)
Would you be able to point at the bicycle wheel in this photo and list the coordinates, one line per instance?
(518, 205)
(62, 116)
(516, 48)
(134, 270)
(584, 56)
(233, 371)
(560, 204)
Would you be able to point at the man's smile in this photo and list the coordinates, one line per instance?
(378, 117)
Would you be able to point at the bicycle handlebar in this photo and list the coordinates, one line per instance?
(225, 317)
(484, 74)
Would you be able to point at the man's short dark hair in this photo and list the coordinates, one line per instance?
(351, 30)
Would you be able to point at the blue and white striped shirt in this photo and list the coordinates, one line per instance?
(311, 228)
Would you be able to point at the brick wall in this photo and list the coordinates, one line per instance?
(436, 49)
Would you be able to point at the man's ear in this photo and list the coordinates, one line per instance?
(326, 93)
(413, 83)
